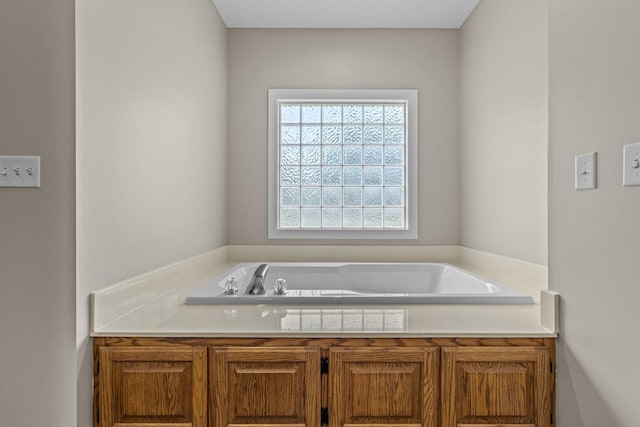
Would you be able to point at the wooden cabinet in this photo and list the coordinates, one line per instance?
(383, 387)
(275, 386)
(496, 386)
(152, 387)
(317, 382)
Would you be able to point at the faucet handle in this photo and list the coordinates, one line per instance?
(231, 286)
(280, 287)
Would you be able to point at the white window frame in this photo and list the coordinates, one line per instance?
(410, 97)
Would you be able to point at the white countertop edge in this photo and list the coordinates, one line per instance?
(117, 309)
(125, 297)
(550, 310)
(447, 334)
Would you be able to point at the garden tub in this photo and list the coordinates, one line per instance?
(355, 283)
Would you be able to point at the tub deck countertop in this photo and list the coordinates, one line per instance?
(153, 305)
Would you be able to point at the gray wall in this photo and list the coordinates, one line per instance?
(37, 254)
(504, 128)
(594, 256)
(152, 144)
(426, 60)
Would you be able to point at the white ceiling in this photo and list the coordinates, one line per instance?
(345, 13)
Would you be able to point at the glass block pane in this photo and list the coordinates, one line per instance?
(331, 155)
(310, 196)
(290, 175)
(393, 155)
(289, 135)
(373, 196)
(352, 196)
(289, 113)
(394, 134)
(373, 175)
(332, 135)
(311, 113)
(332, 175)
(394, 175)
(394, 218)
(353, 134)
(373, 134)
(352, 217)
(310, 135)
(352, 113)
(332, 217)
(352, 155)
(373, 217)
(290, 155)
(352, 175)
(372, 155)
(310, 175)
(331, 196)
(331, 113)
(394, 113)
(328, 140)
(373, 113)
(310, 155)
(289, 217)
(394, 196)
(289, 196)
(310, 217)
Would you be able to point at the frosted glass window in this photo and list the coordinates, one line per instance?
(342, 164)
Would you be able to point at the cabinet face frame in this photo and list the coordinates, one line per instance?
(152, 368)
(472, 375)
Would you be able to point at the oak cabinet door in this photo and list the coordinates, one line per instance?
(273, 386)
(152, 386)
(383, 387)
(495, 386)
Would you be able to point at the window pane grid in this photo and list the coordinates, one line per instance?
(342, 165)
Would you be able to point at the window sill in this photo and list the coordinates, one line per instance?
(326, 234)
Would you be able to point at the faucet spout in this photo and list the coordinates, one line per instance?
(256, 285)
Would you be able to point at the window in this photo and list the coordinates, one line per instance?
(342, 164)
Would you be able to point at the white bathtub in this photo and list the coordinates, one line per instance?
(360, 283)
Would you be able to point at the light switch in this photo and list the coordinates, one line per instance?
(19, 171)
(586, 171)
(631, 164)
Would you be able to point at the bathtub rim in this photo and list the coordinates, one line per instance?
(508, 295)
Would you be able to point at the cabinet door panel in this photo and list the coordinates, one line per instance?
(383, 387)
(153, 386)
(268, 386)
(507, 386)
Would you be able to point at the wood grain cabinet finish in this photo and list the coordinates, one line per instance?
(141, 386)
(323, 382)
(265, 386)
(383, 387)
(496, 386)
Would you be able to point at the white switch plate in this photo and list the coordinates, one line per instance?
(631, 164)
(586, 171)
(19, 171)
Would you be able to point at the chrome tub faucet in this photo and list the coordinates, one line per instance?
(256, 285)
